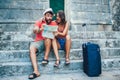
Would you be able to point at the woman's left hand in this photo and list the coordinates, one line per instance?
(55, 33)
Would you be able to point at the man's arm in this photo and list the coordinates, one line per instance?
(37, 29)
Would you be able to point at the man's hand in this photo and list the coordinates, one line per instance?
(36, 29)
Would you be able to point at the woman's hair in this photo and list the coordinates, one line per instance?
(61, 14)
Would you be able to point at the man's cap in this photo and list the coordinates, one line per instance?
(48, 10)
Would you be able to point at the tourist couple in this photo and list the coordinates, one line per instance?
(61, 41)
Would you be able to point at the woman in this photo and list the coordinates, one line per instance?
(62, 38)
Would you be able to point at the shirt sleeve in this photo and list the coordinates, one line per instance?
(38, 23)
(54, 23)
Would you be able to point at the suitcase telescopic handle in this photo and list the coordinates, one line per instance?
(85, 35)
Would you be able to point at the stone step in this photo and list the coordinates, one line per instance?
(79, 21)
(95, 35)
(25, 68)
(22, 36)
(20, 44)
(90, 1)
(22, 68)
(75, 54)
(91, 17)
(16, 27)
(103, 43)
(13, 21)
(14, 45)
(17, 14)
(91, 27)
(80, 75)
(81, 7)
(22, 26)
(23, 4)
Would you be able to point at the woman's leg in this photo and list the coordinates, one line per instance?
(67, 47)
(55, 48)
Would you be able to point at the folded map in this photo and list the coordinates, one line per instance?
(48, 31)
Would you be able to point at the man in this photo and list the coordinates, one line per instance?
(38, 44)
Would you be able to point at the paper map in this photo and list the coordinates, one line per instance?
(48, 31)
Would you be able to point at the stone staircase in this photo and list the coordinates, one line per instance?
(16, 16)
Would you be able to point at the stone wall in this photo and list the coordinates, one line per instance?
(16, 16)
(96, 13)
(115, 9)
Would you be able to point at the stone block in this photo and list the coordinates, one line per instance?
(87, 1)
(110, 64)
(90, 8)
(89, 17)
(16, 36)
(15, 27)
(14, 45)
(21, 4)
(91, 27)
(95, 35)
(105, 2)
(103, 43)
(17, 14)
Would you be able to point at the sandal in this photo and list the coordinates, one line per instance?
(33, 76)
(57, 63)
(44, 61)
(67, 62)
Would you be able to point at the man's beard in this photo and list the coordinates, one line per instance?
(48, 21)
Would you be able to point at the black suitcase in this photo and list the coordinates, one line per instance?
(91, 59)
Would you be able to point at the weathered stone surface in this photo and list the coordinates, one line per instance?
(90, 8)
(15, 27)
(90, 11)
(75, 54)
(111, 63)
(13, 14)
(91, 27)
(16, 16)
(76, 44)
(15, 45)
(24, 68)
(115, 9)
(90, 1)
(95, 35)
(103, 43)
(90, 17)
(23, 4)
(80, 75)
(21, 27)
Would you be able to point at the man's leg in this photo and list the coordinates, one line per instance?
(33, 58)
(47, 48)
(67, 47)
(34, 47)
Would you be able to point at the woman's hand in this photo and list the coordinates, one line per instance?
(55, 33)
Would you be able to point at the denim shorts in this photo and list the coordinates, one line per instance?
(62, 43)
(39, 45)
